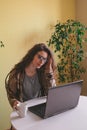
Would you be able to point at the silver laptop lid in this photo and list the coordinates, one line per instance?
(63, 98)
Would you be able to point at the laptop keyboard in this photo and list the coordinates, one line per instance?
(38, 109)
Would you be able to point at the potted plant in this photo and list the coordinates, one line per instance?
(68, 40)
(1, 44)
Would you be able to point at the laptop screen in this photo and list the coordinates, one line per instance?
(61, 98)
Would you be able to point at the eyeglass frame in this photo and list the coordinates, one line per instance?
(42, 58)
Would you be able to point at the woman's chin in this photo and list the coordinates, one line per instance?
(39, 66)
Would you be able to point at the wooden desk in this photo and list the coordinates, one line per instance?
(74, 119)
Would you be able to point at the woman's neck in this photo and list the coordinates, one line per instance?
(30, 70)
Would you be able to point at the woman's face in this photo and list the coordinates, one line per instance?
(40, 59)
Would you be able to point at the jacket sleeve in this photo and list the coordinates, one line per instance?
(49, 75)
(48, 79)
(11, 88)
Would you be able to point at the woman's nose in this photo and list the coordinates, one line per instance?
(41, 61)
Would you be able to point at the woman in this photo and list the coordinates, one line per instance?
(32, 76)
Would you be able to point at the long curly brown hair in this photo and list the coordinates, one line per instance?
(28, 58)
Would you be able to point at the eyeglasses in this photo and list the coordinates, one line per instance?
(42, 58)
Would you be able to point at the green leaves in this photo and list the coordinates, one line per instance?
(1, 44)
(68, 40)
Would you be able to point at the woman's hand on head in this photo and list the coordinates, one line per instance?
(49, 64)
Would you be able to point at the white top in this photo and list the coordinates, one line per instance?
(74, 119)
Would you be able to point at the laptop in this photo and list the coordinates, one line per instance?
(59, 99)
